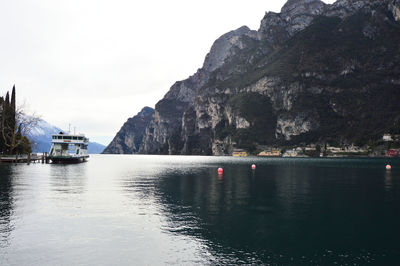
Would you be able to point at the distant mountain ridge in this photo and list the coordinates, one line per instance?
(313, 73)
(40, 137)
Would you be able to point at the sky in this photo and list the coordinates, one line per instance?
(95, 63)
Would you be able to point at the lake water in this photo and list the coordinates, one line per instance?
(154, 210)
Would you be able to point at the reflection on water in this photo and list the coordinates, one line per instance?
(6, 201)
(70, 178)
(177, 210)
(290, 213)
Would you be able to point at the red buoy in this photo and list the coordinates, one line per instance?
(253, 167)
(220, 171)
(388, 167)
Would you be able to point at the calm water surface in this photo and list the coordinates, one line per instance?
(152, 210)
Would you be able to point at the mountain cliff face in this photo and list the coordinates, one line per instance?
(312, 73)
(163, 135)
(394, 7)
(130, 136)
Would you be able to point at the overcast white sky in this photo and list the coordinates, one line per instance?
(95, 63)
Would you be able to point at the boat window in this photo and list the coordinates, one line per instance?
(59, 137)
(74, 138)
(80, 138)
(67, 137)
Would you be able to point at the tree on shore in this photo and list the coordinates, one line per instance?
(14, 127)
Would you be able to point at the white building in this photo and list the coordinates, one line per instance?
(387, 137)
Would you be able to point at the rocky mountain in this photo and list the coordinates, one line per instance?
(129, 138)
(313, 73)
(394, 7)
(40, 137)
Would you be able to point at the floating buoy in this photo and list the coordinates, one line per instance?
(253, 166)
(220, 171)
(388, 167)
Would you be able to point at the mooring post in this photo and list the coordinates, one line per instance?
(29, 158)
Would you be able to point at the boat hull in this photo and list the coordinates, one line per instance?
(67, 160)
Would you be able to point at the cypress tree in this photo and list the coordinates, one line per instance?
(7, 100)
(13, 117)
(13, 105)
(11, 139)
(8, 129)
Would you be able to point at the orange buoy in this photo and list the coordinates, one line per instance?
(388, 167)
(220, 171)
(253, 166)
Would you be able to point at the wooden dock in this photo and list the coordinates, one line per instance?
(25, 158)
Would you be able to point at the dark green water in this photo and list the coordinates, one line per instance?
(152, 210)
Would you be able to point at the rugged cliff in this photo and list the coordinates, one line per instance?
(394, 7)
(312, 73)
(130, 136)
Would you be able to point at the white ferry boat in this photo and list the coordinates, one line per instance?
(68, 148)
